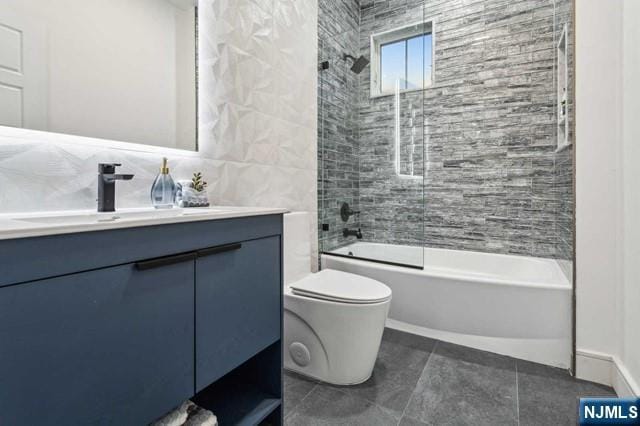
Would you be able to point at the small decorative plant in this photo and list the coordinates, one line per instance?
(198, 183)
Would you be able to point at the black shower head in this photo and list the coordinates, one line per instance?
(359, 64)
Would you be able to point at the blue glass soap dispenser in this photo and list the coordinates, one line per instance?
(163, 190)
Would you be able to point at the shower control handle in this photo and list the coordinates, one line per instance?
(346, 212)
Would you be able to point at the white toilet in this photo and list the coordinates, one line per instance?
(333, 320)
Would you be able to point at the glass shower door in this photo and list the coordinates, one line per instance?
(371, 128)
(338, 154)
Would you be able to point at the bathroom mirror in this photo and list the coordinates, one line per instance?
(122, 70)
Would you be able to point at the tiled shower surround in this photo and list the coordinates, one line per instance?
(492, 178)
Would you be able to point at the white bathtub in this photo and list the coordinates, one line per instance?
(512, 305)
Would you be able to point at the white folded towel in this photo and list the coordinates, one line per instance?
(198, 416)
(188, 414)
(177, 417)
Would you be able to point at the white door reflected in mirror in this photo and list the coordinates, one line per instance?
(122, 70)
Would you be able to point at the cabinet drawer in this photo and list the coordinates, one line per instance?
(30, 259)
(111, 346)
(238, 305)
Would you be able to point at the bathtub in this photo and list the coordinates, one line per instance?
(513, 305)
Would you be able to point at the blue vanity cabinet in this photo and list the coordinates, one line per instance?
(119, 327)
(238, 290)
(103, 347)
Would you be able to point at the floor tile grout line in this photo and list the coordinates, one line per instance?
(361, 398)
(418, 382)
(346, 393)
(517, 395)
(307, 395)
(293, 409)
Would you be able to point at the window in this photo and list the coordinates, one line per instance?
(402, 59)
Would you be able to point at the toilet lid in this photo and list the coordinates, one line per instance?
(341, 287)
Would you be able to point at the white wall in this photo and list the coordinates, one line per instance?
(257, 127)
(602, 239)
(598, 132)
(112, 68)
(630, 295)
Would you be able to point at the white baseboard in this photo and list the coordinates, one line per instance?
(607, 370)
(594, 366)
(623, 383)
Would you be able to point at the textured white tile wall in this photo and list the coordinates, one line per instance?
(257, 123)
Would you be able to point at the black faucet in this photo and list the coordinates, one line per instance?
(346, 232)
(107, 178)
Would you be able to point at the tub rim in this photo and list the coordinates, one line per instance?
(448, 275)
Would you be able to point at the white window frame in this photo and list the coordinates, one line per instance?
(397, 34)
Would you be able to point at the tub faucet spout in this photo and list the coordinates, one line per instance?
(346, 232)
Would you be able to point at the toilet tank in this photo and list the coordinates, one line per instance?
(297, 246)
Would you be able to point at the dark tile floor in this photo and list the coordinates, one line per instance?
(419, 381)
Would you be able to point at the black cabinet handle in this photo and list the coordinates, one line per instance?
(159, 262)
(219, 249)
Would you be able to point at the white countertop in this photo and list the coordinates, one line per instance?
(23, 225)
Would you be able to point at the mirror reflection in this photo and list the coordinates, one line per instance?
(121, 70)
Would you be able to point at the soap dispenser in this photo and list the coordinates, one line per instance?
(163, 190)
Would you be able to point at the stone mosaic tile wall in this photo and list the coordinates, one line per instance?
(492, 179)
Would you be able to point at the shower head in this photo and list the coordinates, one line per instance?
(359, 63)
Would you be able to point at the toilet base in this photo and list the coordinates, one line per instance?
(317, 379)
(341, 339)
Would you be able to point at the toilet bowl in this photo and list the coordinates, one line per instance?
(333, 320)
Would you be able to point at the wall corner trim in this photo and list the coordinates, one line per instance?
(607, 370)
